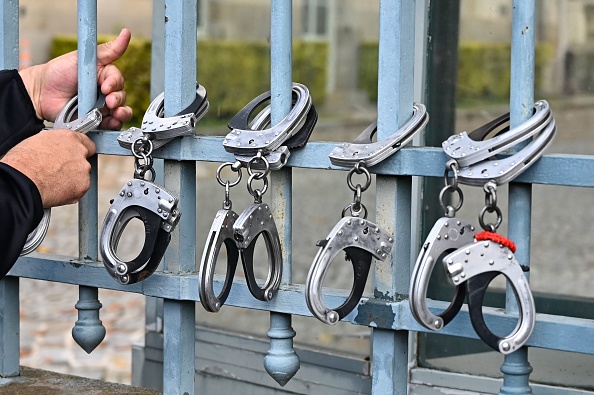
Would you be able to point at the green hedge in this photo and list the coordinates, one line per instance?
(233, 73)
(483, 71)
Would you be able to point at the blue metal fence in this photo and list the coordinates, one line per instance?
(388, 311)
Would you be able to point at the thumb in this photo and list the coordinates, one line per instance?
(111, 51)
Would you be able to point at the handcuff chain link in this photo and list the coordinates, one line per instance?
(258, 175)
(257, 193)
(490, 207)
(451, 187)
(259, 157)
(235, 167)
(142, 150)
(359, 168)
(356, 207)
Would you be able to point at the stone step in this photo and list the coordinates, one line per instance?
(43, 382)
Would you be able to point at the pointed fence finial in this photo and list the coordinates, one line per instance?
(88, 331)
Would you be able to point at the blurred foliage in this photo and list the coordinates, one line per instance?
(135, 66)
(483, 71)
(368, 56)
(232, 72)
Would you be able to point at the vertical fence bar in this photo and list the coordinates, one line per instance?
(281, 362)
(516, 369)
(154, 306)
(9, 286)
(87, 95)
(395, 100)
(88, 330)
(179, 317)
(9, 44)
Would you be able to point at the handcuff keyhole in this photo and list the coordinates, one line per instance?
(146, 191)
(366, 230)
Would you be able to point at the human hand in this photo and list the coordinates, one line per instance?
(56, 161)
(52, 84)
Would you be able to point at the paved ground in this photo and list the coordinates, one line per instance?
(562, 254)
(44, 382)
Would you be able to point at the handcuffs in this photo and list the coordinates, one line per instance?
(473, 261)
(66, 119)
(475, 156)
(259, 148)
(246, 138)
(141, 198)
(361, 239)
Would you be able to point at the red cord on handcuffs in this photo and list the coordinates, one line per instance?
(496, 238)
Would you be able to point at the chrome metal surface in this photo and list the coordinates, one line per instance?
(157, 209)
(247, 142)
(349, 232)
(370, 153)
(446, 235)
(486, 256)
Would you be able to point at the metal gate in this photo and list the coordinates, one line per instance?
(393, 369)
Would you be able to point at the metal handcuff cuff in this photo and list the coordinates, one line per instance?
(473, 261)
(361, 239)
(239, 232)
(65, 120)
(247, 139)
(474, 155)
(141, 198)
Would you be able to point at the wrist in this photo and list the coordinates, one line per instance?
(31, 77)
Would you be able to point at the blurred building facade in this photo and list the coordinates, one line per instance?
(568, 25)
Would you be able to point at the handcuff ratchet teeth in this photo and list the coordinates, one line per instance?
(361, 240)
(468, 149)
(362, 149)
(245, 141)
(446, 235)
(162, 129)
(158, 211)
(475, 266)
(65, 120)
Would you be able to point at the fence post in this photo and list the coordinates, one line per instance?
(9, 286)
(179, 317)
(281, 362)
(88, 331)
(395, 101)
(516, 369)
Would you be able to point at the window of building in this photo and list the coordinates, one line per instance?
(315, 18)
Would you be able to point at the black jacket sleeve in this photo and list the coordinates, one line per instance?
(21, 208)
(17, 114)
(20, 212)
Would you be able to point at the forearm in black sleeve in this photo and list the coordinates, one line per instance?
(17, 114)
(21, 210)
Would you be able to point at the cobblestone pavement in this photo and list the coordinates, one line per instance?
(562, 235)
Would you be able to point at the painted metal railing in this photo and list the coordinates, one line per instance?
(387, 312)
